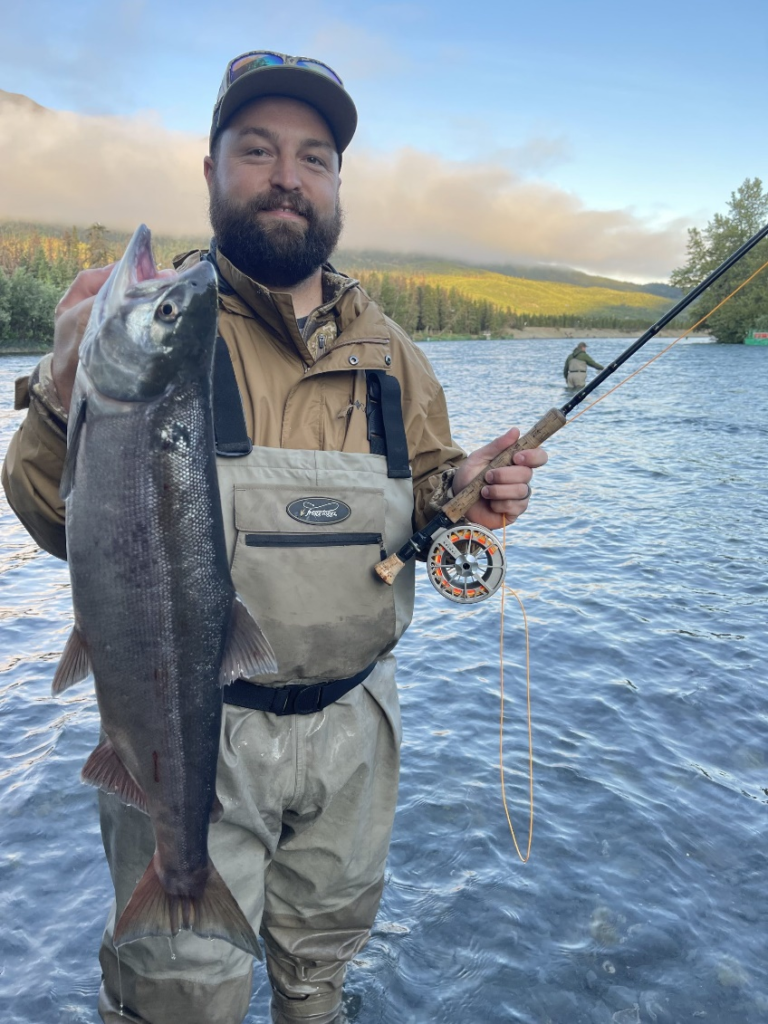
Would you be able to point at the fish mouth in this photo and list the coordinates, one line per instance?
(136, 266)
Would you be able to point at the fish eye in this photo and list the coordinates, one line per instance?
(168, 310)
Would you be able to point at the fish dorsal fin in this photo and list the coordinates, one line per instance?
(73, 665)
(106, 771)
(247, 651)
(73, 441)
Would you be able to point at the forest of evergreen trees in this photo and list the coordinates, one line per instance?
(35, 271)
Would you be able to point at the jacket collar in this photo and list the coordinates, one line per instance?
(358, 319)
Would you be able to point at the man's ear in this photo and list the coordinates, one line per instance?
(209, 169)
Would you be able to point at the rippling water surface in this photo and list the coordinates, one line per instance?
(643, 568)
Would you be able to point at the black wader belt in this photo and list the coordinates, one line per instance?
(295, 699)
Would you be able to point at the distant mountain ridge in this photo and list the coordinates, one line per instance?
(413, 263)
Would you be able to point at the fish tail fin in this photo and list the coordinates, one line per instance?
(213, 913)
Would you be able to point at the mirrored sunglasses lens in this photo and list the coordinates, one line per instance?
(323, 69)
(251, 61)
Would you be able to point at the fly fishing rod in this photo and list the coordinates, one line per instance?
(465, 562)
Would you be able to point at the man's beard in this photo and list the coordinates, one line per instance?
(279, 255)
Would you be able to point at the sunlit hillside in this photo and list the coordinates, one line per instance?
(550, 297)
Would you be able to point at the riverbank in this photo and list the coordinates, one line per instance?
(11, 348)
(557, 333)
(534, 333)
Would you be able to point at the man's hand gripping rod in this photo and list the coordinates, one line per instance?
(549, 424)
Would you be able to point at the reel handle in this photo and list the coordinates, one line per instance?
(548, 425)
(453, 510)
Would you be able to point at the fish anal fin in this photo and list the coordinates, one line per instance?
(105, 770)
(212, 914)
(247, 652)
(73, 665)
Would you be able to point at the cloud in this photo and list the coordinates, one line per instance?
(484, 211)
(66, 168)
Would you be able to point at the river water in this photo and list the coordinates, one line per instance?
(642, 564)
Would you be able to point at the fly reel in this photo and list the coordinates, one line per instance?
(466, 563)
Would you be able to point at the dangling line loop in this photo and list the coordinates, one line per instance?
(504, 591)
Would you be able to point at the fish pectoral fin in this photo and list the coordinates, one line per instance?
(105, 770)
(217, 811)
(213, 914)
(247, 651)
(73, 441)
(73, 665)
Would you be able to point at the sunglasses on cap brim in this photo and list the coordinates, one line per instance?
(248, 62)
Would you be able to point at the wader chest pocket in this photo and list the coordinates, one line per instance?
(312, 587)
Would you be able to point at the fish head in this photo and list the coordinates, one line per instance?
(146, 332)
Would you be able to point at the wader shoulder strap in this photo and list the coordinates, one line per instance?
(386, 430)
(228, 418)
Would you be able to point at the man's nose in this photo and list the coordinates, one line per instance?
(285, 174)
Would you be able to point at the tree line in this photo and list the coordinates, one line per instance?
(35, 272)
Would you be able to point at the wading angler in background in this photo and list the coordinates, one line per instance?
(320, 401)
(575, 369)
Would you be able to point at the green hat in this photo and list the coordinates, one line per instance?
(264, 73)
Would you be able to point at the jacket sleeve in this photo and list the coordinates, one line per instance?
(591, 362)
(35, 459)
(434, 461)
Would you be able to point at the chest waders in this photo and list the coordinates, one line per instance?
(304, 530)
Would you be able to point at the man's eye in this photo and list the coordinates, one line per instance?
(316, 160)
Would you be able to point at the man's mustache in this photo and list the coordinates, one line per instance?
(281, 201)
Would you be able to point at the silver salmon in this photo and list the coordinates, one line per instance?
(157, 619)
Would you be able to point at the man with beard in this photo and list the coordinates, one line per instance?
(334, 440)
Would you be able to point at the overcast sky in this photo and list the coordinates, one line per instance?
(591, 134)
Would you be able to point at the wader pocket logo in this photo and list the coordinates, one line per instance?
(318, 510)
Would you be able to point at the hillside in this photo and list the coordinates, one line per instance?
(530, 298)
(415, 264)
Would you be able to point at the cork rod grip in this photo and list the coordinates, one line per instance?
(549, 424)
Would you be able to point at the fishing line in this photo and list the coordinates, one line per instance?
(506, 589)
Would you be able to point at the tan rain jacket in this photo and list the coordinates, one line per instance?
(299, 391)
